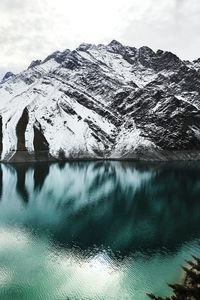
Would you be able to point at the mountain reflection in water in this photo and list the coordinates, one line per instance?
(121, 213)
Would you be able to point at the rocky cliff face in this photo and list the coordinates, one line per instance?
(102, 101)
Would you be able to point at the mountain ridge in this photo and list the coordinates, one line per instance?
(102, 102)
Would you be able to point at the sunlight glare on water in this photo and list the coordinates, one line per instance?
(96, 230)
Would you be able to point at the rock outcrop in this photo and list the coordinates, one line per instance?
(102, 102)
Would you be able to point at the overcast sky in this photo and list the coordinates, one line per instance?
(32, 29)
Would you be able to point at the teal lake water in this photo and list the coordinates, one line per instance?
(96, 230)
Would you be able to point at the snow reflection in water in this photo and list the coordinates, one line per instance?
(96, 230)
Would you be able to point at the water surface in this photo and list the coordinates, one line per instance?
(96, 230)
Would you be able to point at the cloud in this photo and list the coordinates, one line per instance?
(33, 29)
(167, 24)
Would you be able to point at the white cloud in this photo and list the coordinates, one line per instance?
(170, 25)
(33, 29)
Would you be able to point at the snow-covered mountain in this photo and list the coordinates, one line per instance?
(102, 101)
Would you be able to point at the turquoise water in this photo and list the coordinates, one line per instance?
(96, 230)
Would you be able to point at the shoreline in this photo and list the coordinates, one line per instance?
(137, 156)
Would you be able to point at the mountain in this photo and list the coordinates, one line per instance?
(102, 101)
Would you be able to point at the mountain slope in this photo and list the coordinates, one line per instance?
(102, 101)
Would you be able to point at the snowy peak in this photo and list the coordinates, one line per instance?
(8, 75)
(101, 101)
(116, 47)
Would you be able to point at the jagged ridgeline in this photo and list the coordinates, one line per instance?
(102, 101)
(190, 288)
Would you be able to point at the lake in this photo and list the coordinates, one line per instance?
(96, 230)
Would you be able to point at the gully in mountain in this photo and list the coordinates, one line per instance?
(106, 101)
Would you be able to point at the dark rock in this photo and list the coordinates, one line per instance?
(20, 130)
(121, 87)
(35, 63)
(8, 75)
